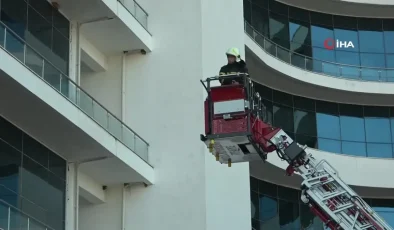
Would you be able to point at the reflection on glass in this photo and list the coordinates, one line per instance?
(366, 45)
(100, 114)
(34, 61)
(14, 45)
(85, 102)
(377, 130)
(305, 122)
(17, 220)
(254, 205)
(269, 212)
(289, 216)
(379, 150)
(354, 148)
(352, 128)
(114, 126)
(283, 117)
(328, 126)
(333, 146)
(52, 75)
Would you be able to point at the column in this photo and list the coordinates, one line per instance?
(72, 197)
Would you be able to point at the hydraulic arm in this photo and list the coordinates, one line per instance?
(236, 130)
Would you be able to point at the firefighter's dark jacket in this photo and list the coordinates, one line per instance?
(234, 68)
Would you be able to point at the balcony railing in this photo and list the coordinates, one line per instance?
(137, 11)
(42, 68)
(319, 66)
(12, 218)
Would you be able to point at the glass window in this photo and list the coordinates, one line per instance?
(283, 117)
(379, 150)
(388, 41)
(56, 208)
(308, 219)
(347, 40)
(278, 7)
(288, 194)
(254, 196)
(254, 184)
(345, 22)
(34, 182)
(327, 107)
(60, 51)
(279, 30)
(61, 23)
(354, 148)
(264, 91)
(10, 134)
(260, 19)
(268, 189)
(299, 32)
(248, 11)
(333, 146)
(392, 128)
(269, 212)
(304, 103)
(14, 15)
(352, 128)
(283, 98)
(44, 8)
(371, 41)
(328, 126)
(324, 61)
(269, 111)
(309, 141)
(320, 18)
(299, 14)
(372, 60)
(261, 3)
(305, 122)
(57, 165)
(377, 130)
(10, 163)
(351, 69)
(319, 34)
(289, 216)
(35, 150)
(41, 33)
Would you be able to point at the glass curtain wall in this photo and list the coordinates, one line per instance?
(32, 178)
(326, 40)
(44, 28)
(366, 131)
(274, 207)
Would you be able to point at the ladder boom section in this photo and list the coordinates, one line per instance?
(237, 130)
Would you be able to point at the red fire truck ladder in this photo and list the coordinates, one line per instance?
(236, 130)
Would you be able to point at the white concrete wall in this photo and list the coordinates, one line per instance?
(164, 104)
(105, 87)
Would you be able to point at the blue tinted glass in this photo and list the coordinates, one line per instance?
(379, 150)
(390, 60)
(377, 130)
(328, 145)
(346, 40)
(328, 126)
(387, 216)
(351, 62)
(392, 128)
(323, 61)
(268, 208)
(320, 34)
(352, 128)
(354, 148)
(388, 41)
(299, 33)
(371, 41)
(372, 65)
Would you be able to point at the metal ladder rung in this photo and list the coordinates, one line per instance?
(329, 180)
(333, 195)
(366, 226)
(343, 207)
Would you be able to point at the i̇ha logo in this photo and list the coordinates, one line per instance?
(331, 44)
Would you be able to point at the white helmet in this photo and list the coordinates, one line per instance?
(234, 52)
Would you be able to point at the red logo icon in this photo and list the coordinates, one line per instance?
(329, 44)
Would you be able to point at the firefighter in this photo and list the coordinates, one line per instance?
(234, 66)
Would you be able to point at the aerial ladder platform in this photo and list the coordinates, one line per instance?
(237, 130)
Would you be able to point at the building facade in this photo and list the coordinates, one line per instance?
(101, 110)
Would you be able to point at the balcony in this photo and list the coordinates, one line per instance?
(13, 218)
(89, 131)
(309, 64)
(112, 25)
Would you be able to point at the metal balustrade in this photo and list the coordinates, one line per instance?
(137, 11)
(11, 218)
(327, 68)
(45, 70)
